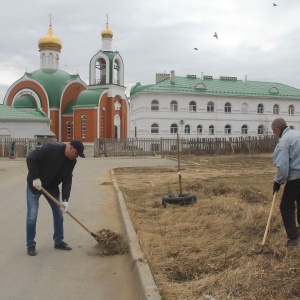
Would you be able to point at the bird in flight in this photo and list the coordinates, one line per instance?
(195, 48)
(274, 4)
(215, 35)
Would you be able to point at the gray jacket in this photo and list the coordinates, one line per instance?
(286, 156)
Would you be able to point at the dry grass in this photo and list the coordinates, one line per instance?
(206, 249)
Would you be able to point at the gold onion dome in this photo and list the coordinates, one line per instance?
(50, 41)
(107, 33)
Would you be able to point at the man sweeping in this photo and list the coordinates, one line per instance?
(49, 166)
(286, 157)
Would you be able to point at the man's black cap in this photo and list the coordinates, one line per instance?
(78, 146)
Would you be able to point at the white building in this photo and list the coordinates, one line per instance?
(208, 107)
(17, 123)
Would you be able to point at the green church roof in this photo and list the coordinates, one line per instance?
(225, 86)
(89, 97)
(9, 113)
(24, 101)
(54, 82)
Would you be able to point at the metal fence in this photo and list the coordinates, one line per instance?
(163, 146)
(155, 146)
(23, 146)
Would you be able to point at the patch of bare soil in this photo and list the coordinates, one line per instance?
(206, 249)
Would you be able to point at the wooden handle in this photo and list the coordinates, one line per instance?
(68, 212)
(269, 220)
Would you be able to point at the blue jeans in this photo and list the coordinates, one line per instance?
(32, 212)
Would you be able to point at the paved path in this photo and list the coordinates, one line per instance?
(55, 274)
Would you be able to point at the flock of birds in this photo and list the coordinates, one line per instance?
(216, 35)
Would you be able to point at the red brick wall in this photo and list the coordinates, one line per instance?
(71, 93)
(65, 119)
(91, 124)
(54, 127)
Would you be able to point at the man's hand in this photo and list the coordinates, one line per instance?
(276, 187)
(37, 184)
(65, 204)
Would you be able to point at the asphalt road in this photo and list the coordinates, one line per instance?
(56, 274)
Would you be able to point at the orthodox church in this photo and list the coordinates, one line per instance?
(76, 110)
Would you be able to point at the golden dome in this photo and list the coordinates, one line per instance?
(107, 33)
(50, 41)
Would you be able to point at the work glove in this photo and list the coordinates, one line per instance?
(276, 187)
(37, 184)
(65, 205)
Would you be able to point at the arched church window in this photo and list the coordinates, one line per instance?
(83, 126)
(154, 105)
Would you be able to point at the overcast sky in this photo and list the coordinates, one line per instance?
(255, 38)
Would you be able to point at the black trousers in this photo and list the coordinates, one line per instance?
(290, 208)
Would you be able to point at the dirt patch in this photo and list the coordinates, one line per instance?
(204, 249)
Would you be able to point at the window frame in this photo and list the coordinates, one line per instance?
(154, 128)
(193, 106)
(154, 105)
(174, 105)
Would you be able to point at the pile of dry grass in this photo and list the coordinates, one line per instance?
(206, 249)
(110, 243)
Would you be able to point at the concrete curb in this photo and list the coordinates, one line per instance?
(141, 270)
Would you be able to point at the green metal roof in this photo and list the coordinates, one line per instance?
(229, 86)
(9, 113)
(24, 101)
(69, 108)
(89, 97)
(54, 82)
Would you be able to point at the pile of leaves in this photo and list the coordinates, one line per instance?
(110, 243)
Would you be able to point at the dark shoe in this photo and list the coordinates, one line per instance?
(293, 243)
(31, 250)
(62, 246)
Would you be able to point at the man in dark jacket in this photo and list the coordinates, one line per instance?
(49, 166)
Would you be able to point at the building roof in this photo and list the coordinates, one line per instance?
(225, 86)
(54, 82)
(89, 97)
(25, 101)
(9, 113)
(45, 132)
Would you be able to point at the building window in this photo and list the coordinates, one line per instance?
(154, 105)
(244, 108)
(291, 110)
(227, 129)
(187, 129)
(192, 106)
(210, 107)
(68, 130)
(276, 109)
(174, 128)
(244, 129)
(154, 128)
(211, 130)
(227, 107)
(260, 129)
(83, 126)
(174, 105)
(260, 109)
(199, 129)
